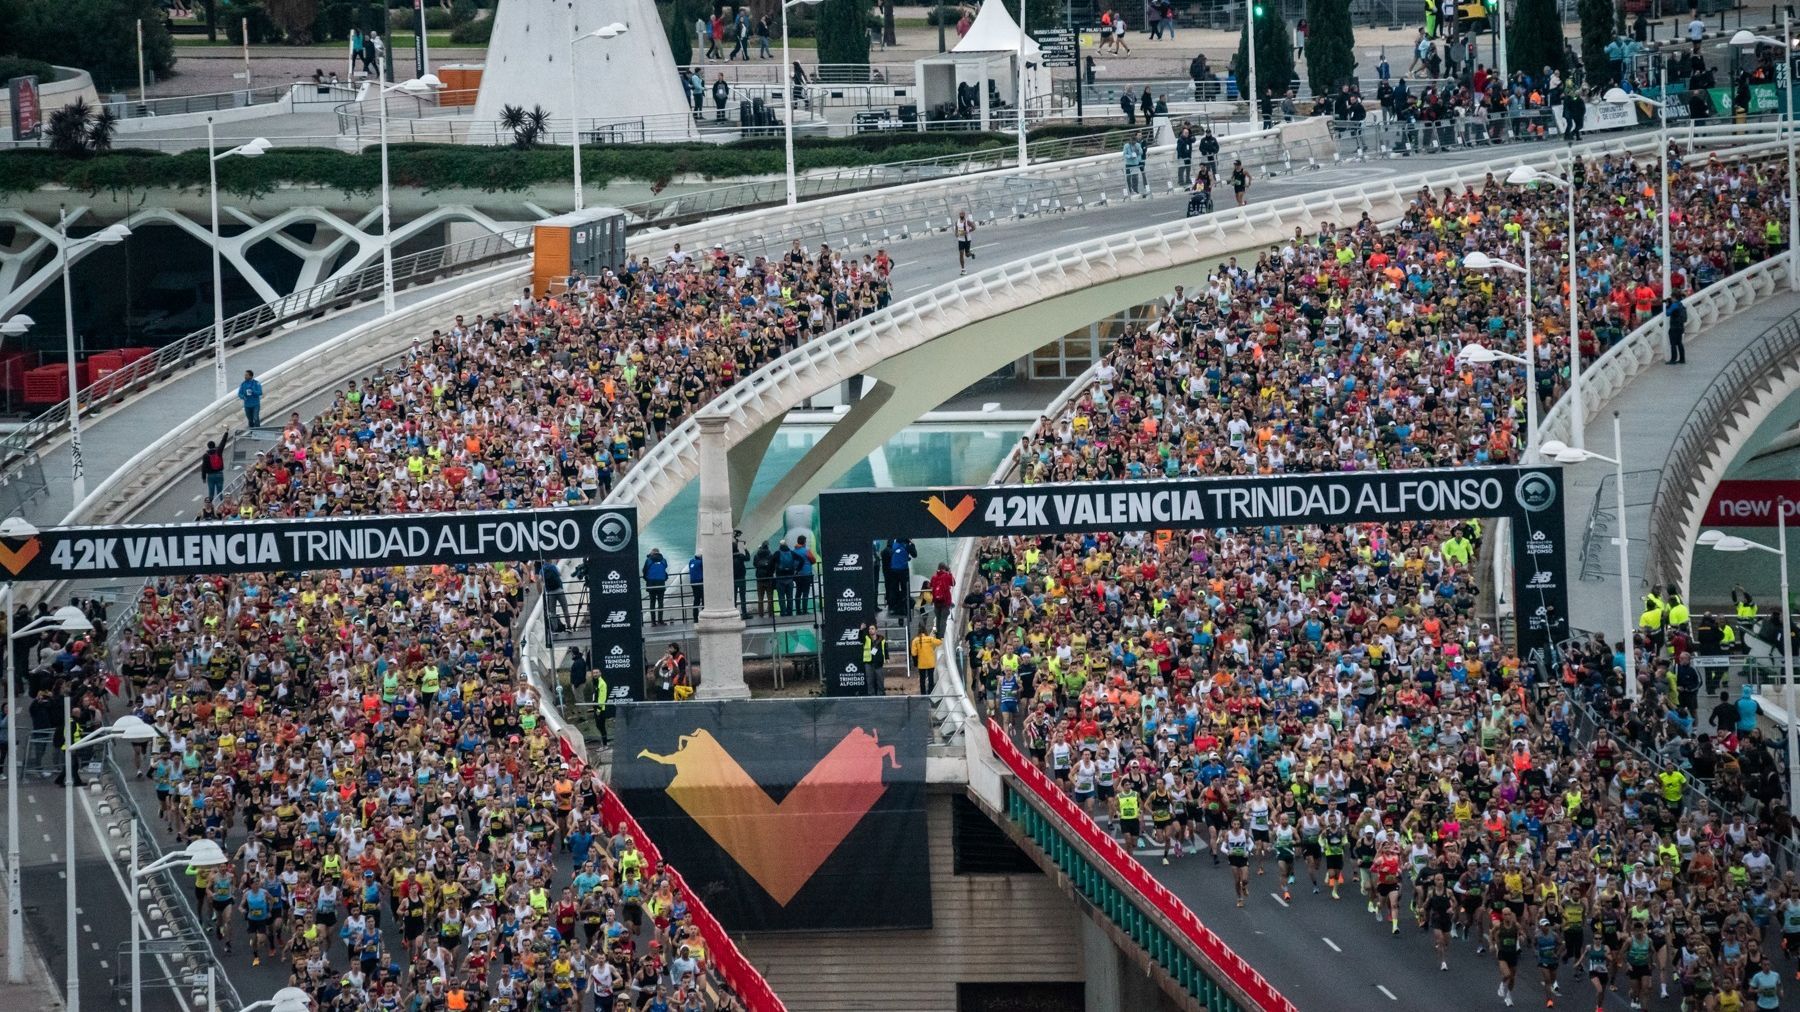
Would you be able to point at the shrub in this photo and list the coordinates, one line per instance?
(18, 66)
(437, 19)
(473, 33)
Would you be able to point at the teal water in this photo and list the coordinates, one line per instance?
(948, 454)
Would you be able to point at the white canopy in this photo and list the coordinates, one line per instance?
(995, 31)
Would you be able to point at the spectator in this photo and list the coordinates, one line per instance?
(212, 467)
(250, 392)
(656, 584)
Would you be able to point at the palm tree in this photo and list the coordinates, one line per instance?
(100, 131)
(69, 129)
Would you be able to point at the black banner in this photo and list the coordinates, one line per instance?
(786, 814)
(853, 520)
(242, 546)
(616, 622)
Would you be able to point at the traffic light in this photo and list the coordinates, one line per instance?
(1257, 9)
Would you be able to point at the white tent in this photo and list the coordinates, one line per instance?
(988, 53)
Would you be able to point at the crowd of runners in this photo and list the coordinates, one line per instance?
(404, 833)
(1327, 706)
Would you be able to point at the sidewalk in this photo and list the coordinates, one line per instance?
(37, 992)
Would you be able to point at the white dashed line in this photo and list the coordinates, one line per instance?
(40, 816)
(1277, 898)
(1334, 945)
(1383, 989)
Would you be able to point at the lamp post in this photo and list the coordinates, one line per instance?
(199, 854)
(1744, 37)
(1525, 176)
(415, 86)
(1619, 96)
(1248, 87)
(288, 999)
(66, 619)
(787, 122)
(1478, 354)
(126, 728)
(611, 31)
(1019, 79)
(1719, 541)
(1563, 454)
(107, 236)
(252, 149)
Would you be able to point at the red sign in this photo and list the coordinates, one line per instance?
(1744, 502)
(27, 114)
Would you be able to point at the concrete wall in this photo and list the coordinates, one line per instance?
(73, 84)
(985, 928)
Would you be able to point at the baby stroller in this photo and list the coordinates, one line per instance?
(1199, 202)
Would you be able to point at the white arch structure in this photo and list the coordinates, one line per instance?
(35, 241)
(969, 327)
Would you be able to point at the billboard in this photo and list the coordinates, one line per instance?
(1751, 502)
(27, 111)
(786, 814)
(852, 520)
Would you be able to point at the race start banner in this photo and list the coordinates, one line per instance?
(786, 814)
(853, 521)
(244, 546)
(604, 537)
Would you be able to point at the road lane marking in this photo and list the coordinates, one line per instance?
(1334, 945)
(87, 807)
(1277, 898)
(1383, 989)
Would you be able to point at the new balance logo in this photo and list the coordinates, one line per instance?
(849, 560)
(615, 616)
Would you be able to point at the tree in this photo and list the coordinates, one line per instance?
(677, 19)
(295, 19)
(843, 32)
(98, 36)
(1274, 53)
(78, 130)
(1040, 15)
(1330, 46)
(1596, 32)
(1534, 37)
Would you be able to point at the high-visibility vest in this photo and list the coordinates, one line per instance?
(1678, 614)
(1746, 610)
(1651, 619)
(1728, 635)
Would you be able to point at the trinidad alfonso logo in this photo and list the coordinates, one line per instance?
(16, 559)
(951, 516)
(781, 845)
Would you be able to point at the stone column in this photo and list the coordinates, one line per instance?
(721, 627)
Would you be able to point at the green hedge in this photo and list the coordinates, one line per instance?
(18, 66)
(432, 167)
(473, 33)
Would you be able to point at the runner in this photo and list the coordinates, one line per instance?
(1549, 959)
(1506, 949)
(1310, 831)
(1125, 808)
(1387, 886)
(1237, 850)
(1437, 907)
(965, 238)
(1240, 181)
(1285, 838)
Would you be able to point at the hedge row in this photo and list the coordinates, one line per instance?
(431, 167)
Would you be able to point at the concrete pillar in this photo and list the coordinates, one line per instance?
(1104, 967)
(721, 628)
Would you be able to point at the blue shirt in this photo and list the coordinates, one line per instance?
(250, 392)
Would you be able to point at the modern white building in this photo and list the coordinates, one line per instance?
(624, 90)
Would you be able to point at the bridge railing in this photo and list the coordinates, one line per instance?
(1155, 918)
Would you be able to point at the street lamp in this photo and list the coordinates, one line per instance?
(1019, 79)
(1719, 541)
(1745, 37)
(1477, 354)
(127, 728)
(16, 325)
(417, 86)
(1619, 96)
(1525, 176)
(288, 999)
(611, 31)
(65, 619)
(199, 854)
(787, 67)
(107, 236)
(1248, 88)
(1556, 450)
(253, 149)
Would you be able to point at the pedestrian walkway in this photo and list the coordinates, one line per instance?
(36, 991)
(1650, 410)
(111, 439)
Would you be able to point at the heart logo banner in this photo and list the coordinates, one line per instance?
(786, 815)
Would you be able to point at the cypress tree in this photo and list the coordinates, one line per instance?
(1274, 54)
(677, 19)
(1596, 32)
(1534, 37)
(1330, 46)
(843, 32)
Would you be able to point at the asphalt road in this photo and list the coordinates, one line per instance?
(1324, 955)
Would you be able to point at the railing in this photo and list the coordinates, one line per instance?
(1683, 476)
(733, 967)
(1193, 955)
(361, 285)
(131, 108)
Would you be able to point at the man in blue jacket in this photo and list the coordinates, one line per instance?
(697, 584)
(250, 392)
(656, 582)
